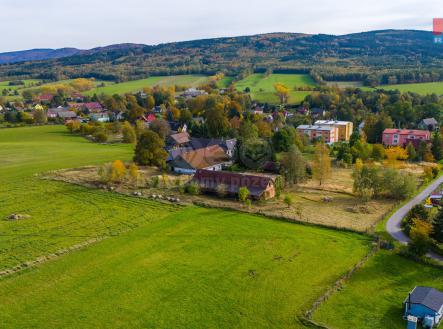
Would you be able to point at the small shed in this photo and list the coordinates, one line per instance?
(426, 304)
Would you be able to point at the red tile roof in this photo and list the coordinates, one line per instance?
(407, 132)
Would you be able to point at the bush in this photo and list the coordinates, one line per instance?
(243, 194)
(417, 212)
(101, 136)
(193, 188)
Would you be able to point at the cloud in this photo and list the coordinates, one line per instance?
(91, 23)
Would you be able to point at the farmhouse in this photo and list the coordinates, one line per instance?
(53, 112)
(328, 134)
(178, 140)
(210, 158)
(192, 92)
(260, 187)
(402, 137)
(425, 304)
(344, 128)
(428, 124)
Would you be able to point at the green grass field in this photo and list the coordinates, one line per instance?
(262, 87)
(162, 266)
(62, 214)
(137, 85)
(419, 88)
(373, 297)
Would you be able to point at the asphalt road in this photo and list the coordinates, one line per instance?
(393, 226)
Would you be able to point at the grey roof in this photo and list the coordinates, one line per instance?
(427, 296)
(430, 122)
(67, 114)
(314, 127)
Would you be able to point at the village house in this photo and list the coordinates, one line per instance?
(317, 112)
(46, 98)
(402, 137)
(192, 93)
(345, 128)
(429, 124)
(209, 158)
(66, 115)
(329, 134)
(177, 140)
(52, 113)
(259, 186)
(424, 304)
(100, 117)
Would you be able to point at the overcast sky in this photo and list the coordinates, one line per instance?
(86, 24)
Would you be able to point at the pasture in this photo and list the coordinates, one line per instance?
(419, 88)
(199, 268)
(138, 85)
(161, 266)
(374, 295)
(262, 86)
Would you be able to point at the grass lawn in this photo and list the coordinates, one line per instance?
(199, 268)
(419, 88)
(373, 297)
(162, 267)
(62, 214)
(136, 85)
(262, 87)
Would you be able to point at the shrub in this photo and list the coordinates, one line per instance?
(243, 194)
(288, 200)
(118, 171)
(193, 188)
(100, 136)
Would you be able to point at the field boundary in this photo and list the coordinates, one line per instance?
(283, 218)
(337, 286)
(43, 259)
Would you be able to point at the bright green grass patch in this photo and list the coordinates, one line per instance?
(200, 268)
(225, 82)
(262, 87)
(28, 83)
(62, 214)
(373, 297)
(137, 85)
(419, 88)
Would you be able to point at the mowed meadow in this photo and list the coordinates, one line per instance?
(262, 86)
(160, 266)
(138, 85)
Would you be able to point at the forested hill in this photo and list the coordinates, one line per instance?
(409, 55)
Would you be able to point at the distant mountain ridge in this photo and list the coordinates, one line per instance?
(374, 57)
(45, 54)
(36, 55)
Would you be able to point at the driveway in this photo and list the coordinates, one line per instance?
(393, 226)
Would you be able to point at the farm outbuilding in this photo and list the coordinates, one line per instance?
(425, 304)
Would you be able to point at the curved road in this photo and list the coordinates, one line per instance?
(393, 226)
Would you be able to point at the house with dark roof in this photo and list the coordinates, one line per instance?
(425, 304)
(209, 158)
(178, 140)
(259, 186)
(429, 124)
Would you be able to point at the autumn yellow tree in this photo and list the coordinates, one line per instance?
(82, 84)
(282, 92)
(321, 165)
(393, 154)
(133, 173)
(118, 171)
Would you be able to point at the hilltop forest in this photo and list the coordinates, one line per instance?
(376, 58)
